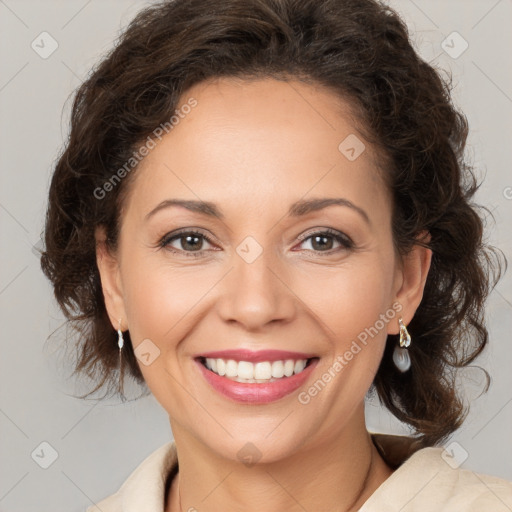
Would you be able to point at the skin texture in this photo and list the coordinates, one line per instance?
(254, 148)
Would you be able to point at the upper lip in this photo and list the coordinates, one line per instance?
(256, 356)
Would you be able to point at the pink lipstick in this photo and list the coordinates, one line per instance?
(259, 377)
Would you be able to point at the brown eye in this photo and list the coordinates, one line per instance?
(321, 242)
(324, 241)
(189, 243)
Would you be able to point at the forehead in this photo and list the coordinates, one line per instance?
(251, 143)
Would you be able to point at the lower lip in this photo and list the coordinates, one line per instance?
(255, 393)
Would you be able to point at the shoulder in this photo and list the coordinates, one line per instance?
(145, 488)
(456, 488)
(430, 480)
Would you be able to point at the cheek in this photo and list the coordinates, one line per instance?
(351, 298)
(159, 302)
(162, 300)
(349, 304)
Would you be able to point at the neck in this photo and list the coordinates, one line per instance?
(335, 474)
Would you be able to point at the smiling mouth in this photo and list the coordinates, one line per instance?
(261, 372)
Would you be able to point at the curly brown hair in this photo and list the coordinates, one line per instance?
(359, 49)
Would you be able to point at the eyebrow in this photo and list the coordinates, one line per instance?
(297, 209)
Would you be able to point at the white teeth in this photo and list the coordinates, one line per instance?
(288, 368)
(299, 366)
(263, 371)
(245, 370)
(231, 368)
(277, 369)
(221, 366)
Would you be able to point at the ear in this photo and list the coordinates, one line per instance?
(410, 279)
(111, 285)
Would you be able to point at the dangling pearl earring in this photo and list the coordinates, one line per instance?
(120, 339)
(401, 356)
(120, 344)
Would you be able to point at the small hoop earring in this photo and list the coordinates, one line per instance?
(120, 344)
(401, 356)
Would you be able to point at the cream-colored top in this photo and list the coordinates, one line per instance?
(424, 481)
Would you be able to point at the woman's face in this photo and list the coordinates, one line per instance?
(259, 272)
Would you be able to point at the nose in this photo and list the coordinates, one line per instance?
(257, 293)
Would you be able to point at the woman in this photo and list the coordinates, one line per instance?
(263, 212)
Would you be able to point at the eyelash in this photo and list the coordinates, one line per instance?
(343, 239)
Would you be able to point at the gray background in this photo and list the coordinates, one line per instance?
(99, 444)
